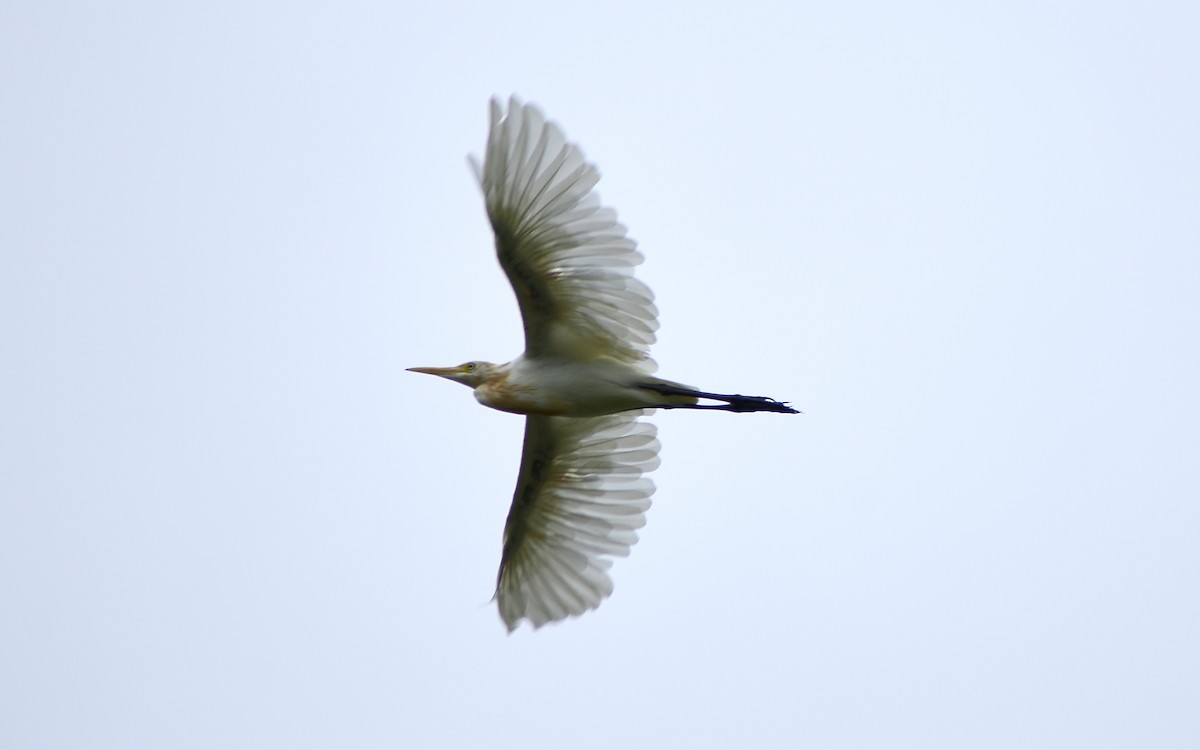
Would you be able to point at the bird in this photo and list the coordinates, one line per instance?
(585, 381)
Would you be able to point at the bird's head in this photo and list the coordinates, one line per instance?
(471, 374)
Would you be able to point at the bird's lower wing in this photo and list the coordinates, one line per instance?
(581, 496)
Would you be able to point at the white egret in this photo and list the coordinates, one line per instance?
(584, 378)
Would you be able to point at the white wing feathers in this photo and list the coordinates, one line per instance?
(581, 496)
(567, 257)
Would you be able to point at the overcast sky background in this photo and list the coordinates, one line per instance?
(964, 238)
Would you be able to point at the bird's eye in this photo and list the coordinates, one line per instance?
(469, 367)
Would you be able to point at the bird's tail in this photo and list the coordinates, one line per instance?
(732, 401)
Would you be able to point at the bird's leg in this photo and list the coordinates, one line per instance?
(733, 401)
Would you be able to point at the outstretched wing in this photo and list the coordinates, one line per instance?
(568, 259)
(580, 498)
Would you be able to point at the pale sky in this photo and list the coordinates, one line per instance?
(963, 238)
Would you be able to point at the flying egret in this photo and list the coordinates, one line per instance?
(584, 379)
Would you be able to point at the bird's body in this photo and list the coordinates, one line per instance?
(584, 379)
(554, 387)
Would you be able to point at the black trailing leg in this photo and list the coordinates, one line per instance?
(733, 401)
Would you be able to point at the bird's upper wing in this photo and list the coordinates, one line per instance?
(580, 497)
(568, 259)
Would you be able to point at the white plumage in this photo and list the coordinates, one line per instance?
(584, 378)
